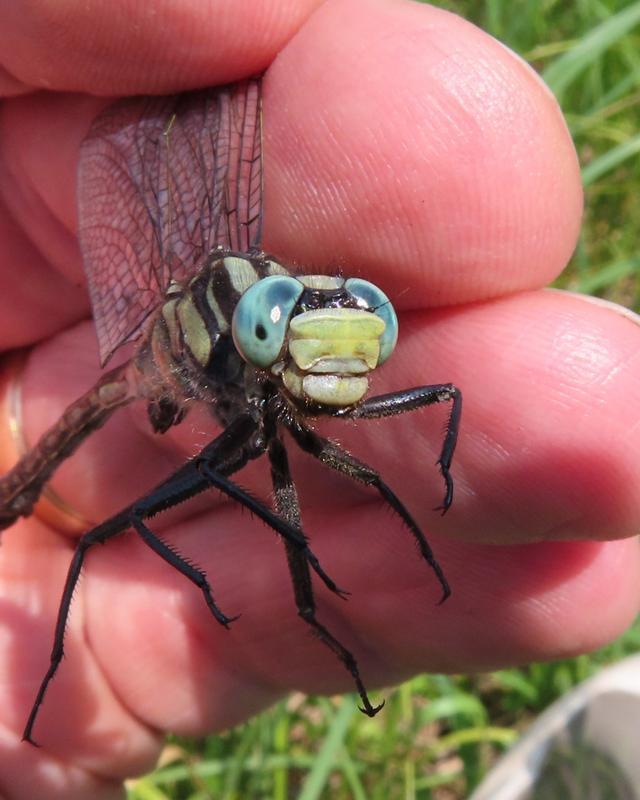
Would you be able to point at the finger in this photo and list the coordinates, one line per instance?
(509, 605)
(100, 742)
(36, 301)
(549, 440)
(413, 148)
(28, 772)
(100, 49)
(428, 202)
(45, 288)
(548, 445)
(118, 48)
(489, 578)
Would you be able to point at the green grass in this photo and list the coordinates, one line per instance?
(439, 734)
(588, 51)
(435, 739)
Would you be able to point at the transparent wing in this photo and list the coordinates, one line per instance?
(162, 182)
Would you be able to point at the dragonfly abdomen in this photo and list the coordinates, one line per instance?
(21, 487)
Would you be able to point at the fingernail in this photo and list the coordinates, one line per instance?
(623, 311)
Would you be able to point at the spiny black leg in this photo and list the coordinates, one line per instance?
(211, 468)
(230, 451)
(286, 500)
(58, 640)
(386, 405)
(292, 534)
(174, 559)
(184, 483)
(341, 461)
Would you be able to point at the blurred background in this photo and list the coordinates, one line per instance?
(440, 734)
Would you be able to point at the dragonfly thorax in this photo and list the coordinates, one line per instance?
(187, 352)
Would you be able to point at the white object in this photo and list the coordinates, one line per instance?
(585, 745)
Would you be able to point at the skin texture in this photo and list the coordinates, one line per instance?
(403, 145)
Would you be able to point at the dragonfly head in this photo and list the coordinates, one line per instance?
(320, 336)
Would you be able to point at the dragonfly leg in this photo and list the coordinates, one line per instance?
(58, 642)
(230, 451)
(386, 405)
(291, 533)
(178, 562)
(287, 505)
(184, 483)
(340, 460)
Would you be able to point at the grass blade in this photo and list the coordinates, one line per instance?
(565, 69)
(327, 757)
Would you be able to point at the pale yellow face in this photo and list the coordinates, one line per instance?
(332, 350)
(318, 335)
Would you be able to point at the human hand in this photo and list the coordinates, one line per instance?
(403, 145)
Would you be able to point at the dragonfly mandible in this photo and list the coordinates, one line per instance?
(170, 197)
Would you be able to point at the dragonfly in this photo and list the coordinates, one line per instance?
(170, 194)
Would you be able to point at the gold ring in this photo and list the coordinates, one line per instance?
(51, 509)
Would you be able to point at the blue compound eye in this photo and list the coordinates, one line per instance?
(369, 296)
(261, 318)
